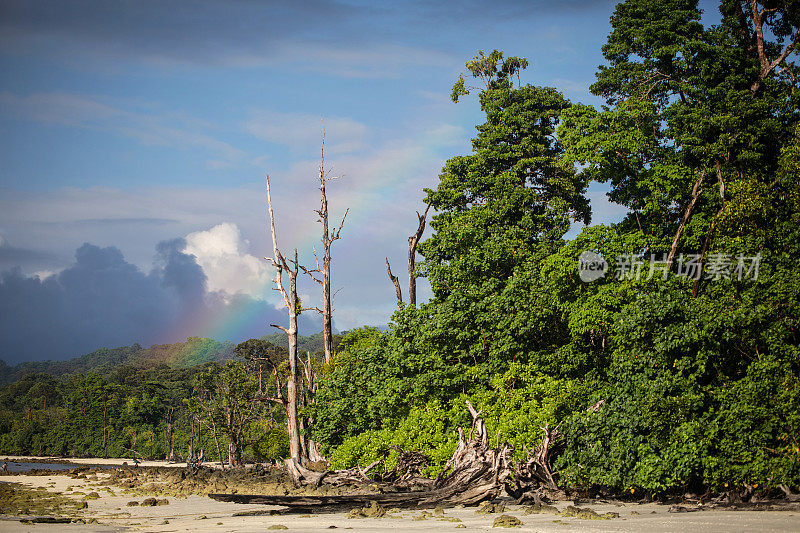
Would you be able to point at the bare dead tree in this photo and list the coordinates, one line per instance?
(476, 472)
(329, 235)
(413, 241)
(291, 301)
(169, 433)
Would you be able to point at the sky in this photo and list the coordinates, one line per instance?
(135, 138)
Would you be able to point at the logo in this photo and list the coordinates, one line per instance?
(591, 266)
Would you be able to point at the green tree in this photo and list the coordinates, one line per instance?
(227, 404)
(500, 211)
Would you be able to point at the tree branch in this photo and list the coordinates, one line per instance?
(336, 231)
(395, 281)
(696, 191)
(767, 66)
(413, 241)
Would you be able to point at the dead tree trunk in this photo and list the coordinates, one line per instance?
(328, 237)
(290, 300)
(413, 241)
(170, 434)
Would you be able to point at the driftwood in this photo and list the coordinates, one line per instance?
(407, 475)
(533, 480)
(476, 472)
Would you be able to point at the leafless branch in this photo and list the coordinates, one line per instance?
(413, 241)
(395, 281)
(336, 231)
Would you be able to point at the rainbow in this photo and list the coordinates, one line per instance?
(245, 317)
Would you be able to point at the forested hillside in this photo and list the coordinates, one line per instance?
(193, 351)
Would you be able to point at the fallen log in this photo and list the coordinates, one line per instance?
(332, 504)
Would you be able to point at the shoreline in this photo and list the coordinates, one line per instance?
(104, 501)
(108, 461)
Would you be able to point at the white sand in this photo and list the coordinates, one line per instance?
(95, 461)
(187, 514)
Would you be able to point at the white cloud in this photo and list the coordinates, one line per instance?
(221, 253)
(382, 187)
(44, 274)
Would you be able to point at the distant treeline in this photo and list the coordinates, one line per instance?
(131, 401)
(193, 351)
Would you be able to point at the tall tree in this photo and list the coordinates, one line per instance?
(696, 116)
(500, 210)
(329, 235)
(228, 405)
(292, 308)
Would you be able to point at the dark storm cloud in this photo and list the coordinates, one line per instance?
(247, 32)
(181, 272)
(11, 256)
(199, 31)
(104, 301)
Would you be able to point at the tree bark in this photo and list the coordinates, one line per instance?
(395, 281)
(328, 237)
(710, 234)
(765, 65)
(290, 300)
(413, 241)
(696, 191)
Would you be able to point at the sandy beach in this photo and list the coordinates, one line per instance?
(108, 508)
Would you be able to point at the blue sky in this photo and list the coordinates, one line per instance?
(129, 124)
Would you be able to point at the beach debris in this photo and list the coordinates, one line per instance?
(489, 508)
(258, 512)
(46, 520)
(374, 510)
(682, 509)
(540, 508)
(506, 520)
(586, 513)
